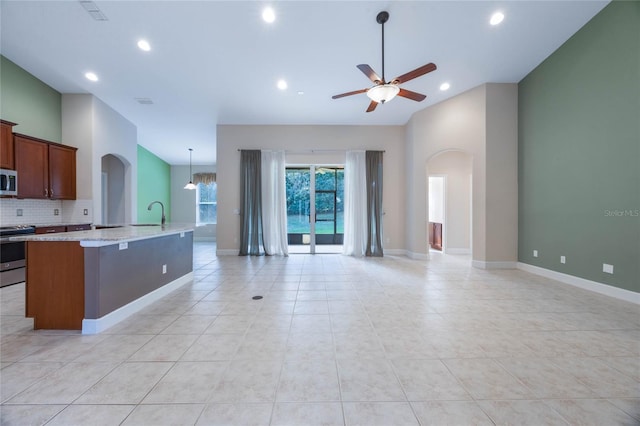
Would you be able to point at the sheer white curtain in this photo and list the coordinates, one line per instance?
(274, 203)
(355, 204)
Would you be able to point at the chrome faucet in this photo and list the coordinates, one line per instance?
(164, 219)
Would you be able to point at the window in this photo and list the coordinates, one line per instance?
(207, 203)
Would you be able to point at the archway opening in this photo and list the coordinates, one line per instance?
(113, 190)
(450, 186)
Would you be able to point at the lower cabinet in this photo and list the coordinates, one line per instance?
(82, 227)
(50, 229)
(62, 228)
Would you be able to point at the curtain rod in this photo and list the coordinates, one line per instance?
(307, 151)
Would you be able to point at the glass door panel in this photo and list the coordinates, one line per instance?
(298, 206)
(315, 209)
(329, 206)
(325, 216)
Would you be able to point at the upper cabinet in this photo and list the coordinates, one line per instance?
(62, 172)
(45, 169)
(6, 145)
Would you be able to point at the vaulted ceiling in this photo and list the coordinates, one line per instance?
(218, 62)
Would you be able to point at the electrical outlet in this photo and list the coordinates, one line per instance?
(19, 212)
(164, 269)
(123, 246)
(607, 268)
(563, 259)
(56, 212)
(85, 212)
(181, 234)
(535, 253)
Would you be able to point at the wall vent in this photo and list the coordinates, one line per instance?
(144, 101)
(93, 10)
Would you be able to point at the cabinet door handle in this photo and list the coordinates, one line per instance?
(46, 192)
(50, 231)
(51, 192)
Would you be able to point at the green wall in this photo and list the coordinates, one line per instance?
(579, 153)
(154, 183)
(25, 100)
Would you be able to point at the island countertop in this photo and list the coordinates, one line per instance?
(111, 235)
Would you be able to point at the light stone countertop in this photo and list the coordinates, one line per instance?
(115, 235)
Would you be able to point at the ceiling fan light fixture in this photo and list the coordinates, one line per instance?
(496, 18)
(144, 45)
(383, 92)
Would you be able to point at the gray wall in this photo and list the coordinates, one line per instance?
(579, 153)
(299, 141)
(482, 122)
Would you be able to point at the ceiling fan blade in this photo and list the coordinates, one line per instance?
(414, 96)
(415, 73)
(372, 106)
(369, 72)
(355, 92)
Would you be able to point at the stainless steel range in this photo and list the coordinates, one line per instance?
(12, 254)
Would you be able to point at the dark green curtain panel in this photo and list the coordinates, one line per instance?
(251, 243)
(374, 203)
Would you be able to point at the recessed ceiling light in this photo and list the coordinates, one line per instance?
(91, 76)
(144, 45)
(300, 92)
(444, 86)
(282, 85)
(496, 18)
(268, 15)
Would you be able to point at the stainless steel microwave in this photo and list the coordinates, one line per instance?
(8, 182)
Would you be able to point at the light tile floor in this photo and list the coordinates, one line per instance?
(335, 341)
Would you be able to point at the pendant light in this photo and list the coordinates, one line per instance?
(190, 185)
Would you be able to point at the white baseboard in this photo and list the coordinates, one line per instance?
(395, 252)
(93, 326)
(481, 264)
(606, 289)
(457, 251)
(417, 256)
(227, 252)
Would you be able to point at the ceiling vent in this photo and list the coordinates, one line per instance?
(144, 101)
(93, 10)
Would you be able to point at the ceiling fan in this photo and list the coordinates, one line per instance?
(383, 91)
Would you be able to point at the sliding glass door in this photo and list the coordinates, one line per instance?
(315, 209)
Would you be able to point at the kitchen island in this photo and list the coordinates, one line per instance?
(90, 280)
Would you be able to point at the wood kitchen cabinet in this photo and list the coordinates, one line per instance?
(62, 172)
(45, 169)
(6, 145)
(79, 227)
(54, 229)
(50, 229)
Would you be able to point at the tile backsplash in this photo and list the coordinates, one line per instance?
(40, 212)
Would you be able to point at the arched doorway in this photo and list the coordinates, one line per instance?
(113, 190)
(450, 174)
